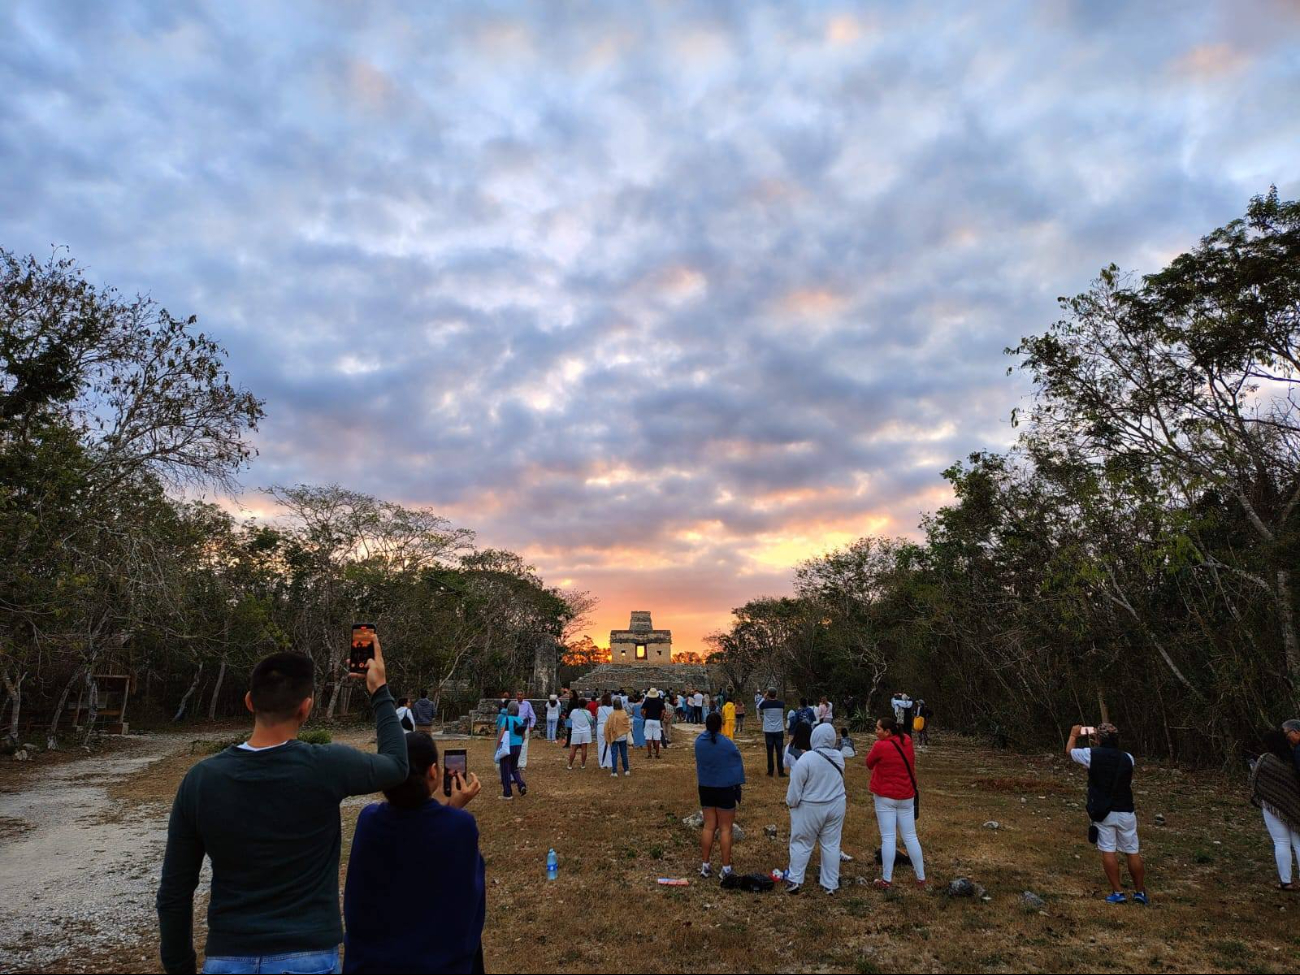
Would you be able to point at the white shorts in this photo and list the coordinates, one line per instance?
(1118, 833)
(581, 736)
(654, 731)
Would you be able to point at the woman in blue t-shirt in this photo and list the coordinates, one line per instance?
(441, 930)
(720, 772)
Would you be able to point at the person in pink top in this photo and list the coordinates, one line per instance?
(893, 786)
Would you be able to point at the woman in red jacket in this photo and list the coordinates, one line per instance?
(893, 786)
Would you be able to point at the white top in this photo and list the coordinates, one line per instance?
(581, 718)
(552, 710)
(265, 748)
(405, 712)
(1084, 757)
(699, 700)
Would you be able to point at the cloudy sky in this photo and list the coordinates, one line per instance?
(666, 296)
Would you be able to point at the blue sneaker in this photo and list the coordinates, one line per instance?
(1141, 898)
(1117, 898)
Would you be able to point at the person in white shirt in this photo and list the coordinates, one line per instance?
(900, 703)
(816, 797)
(405, 716)
(580, 736)
(825, 713)
(602, 715)
(698, 703)
(552, 717)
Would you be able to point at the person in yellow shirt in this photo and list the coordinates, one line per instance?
(729, 720)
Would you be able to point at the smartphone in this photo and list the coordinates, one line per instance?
(363, 647)
(455, 761)
(1088, 731)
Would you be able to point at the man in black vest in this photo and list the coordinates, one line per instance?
(1110, 807)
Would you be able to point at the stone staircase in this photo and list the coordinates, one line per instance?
(642, 677)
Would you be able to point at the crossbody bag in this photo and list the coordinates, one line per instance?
(916, 789)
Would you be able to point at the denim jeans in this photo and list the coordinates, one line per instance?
(551, 724)
(303, 962)
(619, 748)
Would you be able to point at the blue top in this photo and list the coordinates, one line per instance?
(718, 764)
(433, 924)
(516, 726)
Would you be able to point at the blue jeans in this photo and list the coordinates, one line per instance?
(304, 962)
(510, 770)
(619, 748)
(550, 728)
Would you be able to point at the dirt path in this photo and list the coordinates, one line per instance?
(78, 867)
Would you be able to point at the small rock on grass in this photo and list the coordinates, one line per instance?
(770, 832)
(964, 887)
(1031, 901)
(992, 824)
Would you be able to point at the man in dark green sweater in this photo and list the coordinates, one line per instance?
(267, 814)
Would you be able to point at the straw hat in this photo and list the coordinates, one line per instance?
(653, 692)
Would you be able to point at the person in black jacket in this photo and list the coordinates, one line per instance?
(1111, 808)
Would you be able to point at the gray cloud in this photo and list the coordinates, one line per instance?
(664, 296)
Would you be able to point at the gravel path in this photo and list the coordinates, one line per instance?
(80, 875)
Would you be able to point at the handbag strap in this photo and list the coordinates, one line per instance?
(828, 761)
(906, 764)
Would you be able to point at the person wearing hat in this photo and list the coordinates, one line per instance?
(1111, 808)
(653, 709)
(552, 716)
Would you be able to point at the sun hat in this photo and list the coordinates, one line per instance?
(653, 692)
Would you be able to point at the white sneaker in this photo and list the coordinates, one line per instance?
(613, 775)
(627, 773)
(706, 871)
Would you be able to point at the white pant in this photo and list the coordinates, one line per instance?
(1285, 840)
(1118, 832)
(523, 754)
(895, 816)
(810, 822)
(654, 731)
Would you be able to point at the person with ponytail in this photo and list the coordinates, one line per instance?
(720, 773)
(442, 929)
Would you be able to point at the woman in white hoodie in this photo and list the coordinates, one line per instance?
(816, 797)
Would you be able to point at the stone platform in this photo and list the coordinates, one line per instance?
(642, 677)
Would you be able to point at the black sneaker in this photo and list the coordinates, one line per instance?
(793, 889)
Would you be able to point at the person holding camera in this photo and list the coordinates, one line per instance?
(1111, 807)
(441, 930)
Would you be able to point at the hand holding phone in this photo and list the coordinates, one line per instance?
(1087, 730)
(366, 658)
(463, 790)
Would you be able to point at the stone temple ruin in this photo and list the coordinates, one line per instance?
(641, 643)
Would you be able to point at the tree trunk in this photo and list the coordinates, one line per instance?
(1286, 610)
(92, 702)
(52, 736)
(216, 691)
(180, 711)
(15, 689)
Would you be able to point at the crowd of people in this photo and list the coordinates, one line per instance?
(266, 814)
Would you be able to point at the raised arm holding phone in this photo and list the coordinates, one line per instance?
(266, 812)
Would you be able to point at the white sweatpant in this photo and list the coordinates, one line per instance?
(809, 823)
(895, 816)
(1285, 840)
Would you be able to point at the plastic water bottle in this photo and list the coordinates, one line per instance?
(552, 866)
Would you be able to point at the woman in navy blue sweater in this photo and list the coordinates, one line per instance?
(434, 924)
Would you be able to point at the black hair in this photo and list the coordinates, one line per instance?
(1275, 743)
(421, 755)
(403, 702)
(844, 732)
(713, 724)
(890, 723)
(802, 737)
(1110, 740)
(280, 683)
(803, 702)
(424, 692)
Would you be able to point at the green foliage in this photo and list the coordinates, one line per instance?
(315, 736)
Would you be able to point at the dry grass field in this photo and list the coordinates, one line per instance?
(1210, 873)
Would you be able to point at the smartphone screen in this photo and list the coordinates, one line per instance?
(1087, 731)
(363, 647)
(454, 761)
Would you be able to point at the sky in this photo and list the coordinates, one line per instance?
(665, 296)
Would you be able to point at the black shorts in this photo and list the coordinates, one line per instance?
(712, 797)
